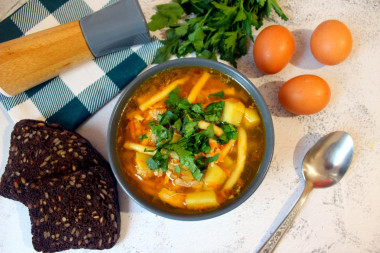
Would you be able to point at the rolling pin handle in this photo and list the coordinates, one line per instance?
(30, 60)
(33, 59)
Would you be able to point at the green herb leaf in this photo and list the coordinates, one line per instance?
(152, 164)
(230, 131)
(223, 139)
(142, 137)
(246, 26)
(163, 134)
(214, 27)
(216, 38)
(277, 9)
(219, 94)
(177, 169)
(186, 158)
(241, 16)
(181, 30)
(261, 2)
(197, 174)
(230, 40)
(173, 98)
(207, 54)
(227, 10)
(196, 38)
(197, 108)
(189, 127)
(214, 111)
(178, 125)
(167, 118)
(185, 48)
(212, 159)
(202, 162)
(167, 15)
(184, 104)
(164, 53)
(209, 132)
(158, 161)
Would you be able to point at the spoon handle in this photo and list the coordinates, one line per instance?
(280, 231)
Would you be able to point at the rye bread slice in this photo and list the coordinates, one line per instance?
(78, 210)
(39, 150)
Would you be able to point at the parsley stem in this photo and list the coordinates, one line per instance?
(204, 19)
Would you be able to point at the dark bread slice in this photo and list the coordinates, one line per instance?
(78, 210)
(39, 150)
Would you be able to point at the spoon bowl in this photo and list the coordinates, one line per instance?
(324, 165)
(328, 160)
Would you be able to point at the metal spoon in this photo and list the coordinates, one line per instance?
(323, 166)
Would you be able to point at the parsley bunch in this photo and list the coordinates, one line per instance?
(183, 117)
(210, 27)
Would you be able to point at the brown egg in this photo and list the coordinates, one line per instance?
(273, 49)
(331, 42)
(305, 94)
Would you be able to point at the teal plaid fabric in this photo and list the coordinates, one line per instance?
(74, 95)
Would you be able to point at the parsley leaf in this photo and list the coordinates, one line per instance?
(277, 9)
(219, 94)
(197, 37)
(223, 139)
(158, 161)
(197, 174)
(230, 131)
(197, 108)
(189, 127)
(177, 125)
(167, 14)
(214, 111)
(165, 52)
(177, 169)
(210, 27)
(152, 164)
(163, 135)
(142, 137)
(167, 118)
(230, 40)
(203, 161)
(186, 158)
(173, 98)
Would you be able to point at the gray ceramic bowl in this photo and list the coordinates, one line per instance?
(239, 78)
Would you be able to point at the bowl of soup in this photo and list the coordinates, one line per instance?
(190, 139)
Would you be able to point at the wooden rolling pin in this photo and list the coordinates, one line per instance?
(33, 59)
(30, 60)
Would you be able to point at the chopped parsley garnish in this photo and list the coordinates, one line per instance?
(219, 94)
(183, 117)
(142, 137)
(214, 111)
(177, 169)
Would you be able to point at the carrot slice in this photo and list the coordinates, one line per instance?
(225, 150)
(197, 87)
(162, 94)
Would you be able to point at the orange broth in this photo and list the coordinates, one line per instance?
(179, 186)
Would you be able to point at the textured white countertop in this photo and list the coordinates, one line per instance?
(343, 218)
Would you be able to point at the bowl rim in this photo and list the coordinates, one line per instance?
(244, 82)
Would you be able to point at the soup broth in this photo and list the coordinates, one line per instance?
(190, 139)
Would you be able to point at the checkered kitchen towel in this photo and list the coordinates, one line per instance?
(74, 95)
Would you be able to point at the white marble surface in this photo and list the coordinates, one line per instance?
(343, 218)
